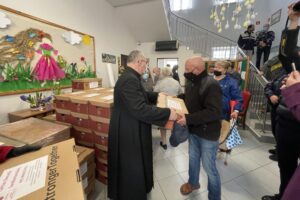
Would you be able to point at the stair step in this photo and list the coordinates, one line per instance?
(266, 137)
(253, 115)
(259, 126)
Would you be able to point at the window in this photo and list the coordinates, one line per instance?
(177, 5)
(163, 62)
(221, 2)
(228, 52)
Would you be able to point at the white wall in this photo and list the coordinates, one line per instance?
(182, 54)
(201, 11)
(94, 17)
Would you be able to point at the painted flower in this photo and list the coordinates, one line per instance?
(82, 59)
(46, 99)
(24, 98)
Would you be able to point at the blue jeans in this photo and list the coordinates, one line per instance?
(206, 151)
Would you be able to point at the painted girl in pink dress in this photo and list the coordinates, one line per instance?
(47, 68)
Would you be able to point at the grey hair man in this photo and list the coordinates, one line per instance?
(130, 161)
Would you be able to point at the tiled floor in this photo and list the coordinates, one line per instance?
(248, 176)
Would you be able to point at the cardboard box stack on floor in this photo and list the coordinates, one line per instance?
(89, 114)
(86, 84)
(49, 173)
(34, 131)
(87, 167)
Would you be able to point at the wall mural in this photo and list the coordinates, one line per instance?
(38, 55)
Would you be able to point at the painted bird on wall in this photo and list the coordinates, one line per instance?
(20, 48)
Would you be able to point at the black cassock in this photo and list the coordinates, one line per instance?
(130, 162)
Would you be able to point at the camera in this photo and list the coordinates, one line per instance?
(296, 7)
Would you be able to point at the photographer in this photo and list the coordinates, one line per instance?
(287, 127)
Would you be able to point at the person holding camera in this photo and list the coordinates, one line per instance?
(287, 126)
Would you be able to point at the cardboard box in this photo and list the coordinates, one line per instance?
(35, 131)
(27, 113)
(101, 139)
(83, 136)
(85, 155)
(165, 101)
(79, 103)
(63, 101)
(55, 175)
(10, 142)
(101, 106)
(80, 120)
(86, 83)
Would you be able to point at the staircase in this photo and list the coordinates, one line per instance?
(206, 43)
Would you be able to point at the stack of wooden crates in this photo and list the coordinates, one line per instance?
(89, 114)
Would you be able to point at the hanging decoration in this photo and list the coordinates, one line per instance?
(4, 21)
(220, 13)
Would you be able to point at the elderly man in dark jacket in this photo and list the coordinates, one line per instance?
(130, 162)
(203, 98)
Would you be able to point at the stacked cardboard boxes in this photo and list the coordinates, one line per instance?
(87, 169)
(89, 114)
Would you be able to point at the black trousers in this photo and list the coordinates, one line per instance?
(273, 119)
(266, 51)
(288, 150)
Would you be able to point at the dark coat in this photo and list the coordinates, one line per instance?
(203, 99)
(130, 162)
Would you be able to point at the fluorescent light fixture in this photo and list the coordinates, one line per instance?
(177, 5)
(221, 2)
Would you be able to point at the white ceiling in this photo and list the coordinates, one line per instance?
(117, 3)
(145, 20)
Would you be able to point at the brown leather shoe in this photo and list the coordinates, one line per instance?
(187, 188)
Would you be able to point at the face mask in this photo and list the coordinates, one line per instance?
(265, 29)
(145, 76)
(190, 76)
(217, 73)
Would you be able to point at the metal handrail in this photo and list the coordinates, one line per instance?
(203, 40)
(256, 85)
(187, 32)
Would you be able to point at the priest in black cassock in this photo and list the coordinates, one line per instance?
(130, 162)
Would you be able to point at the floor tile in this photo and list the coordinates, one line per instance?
(171, 188)
(156, 193)
(232, 190)
(163, 168)
(181, 162)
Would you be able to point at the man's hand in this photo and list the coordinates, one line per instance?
(234, 115)
(173, 115)
(181, 120)
(293, 79)
(274, 99)
(262, 44)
